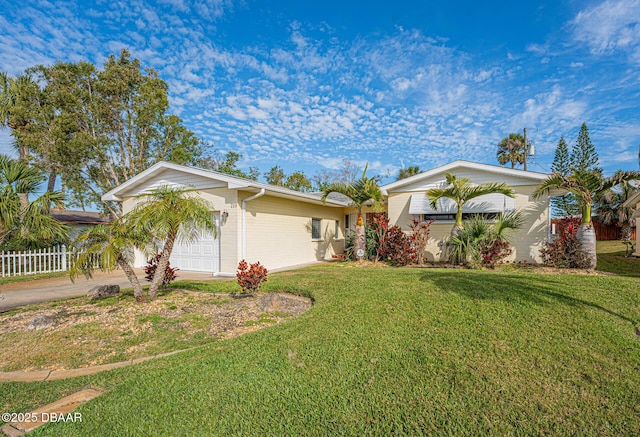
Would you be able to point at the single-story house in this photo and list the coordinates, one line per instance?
(634, 202)
(78, 221)
(283, 228)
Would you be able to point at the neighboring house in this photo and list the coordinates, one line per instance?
(282, 228)
(634, 202)
(78, 221)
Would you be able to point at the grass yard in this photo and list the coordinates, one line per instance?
(391, 351)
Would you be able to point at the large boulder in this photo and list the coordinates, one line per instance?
(102, 291)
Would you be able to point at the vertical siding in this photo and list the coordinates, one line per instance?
(279, 232)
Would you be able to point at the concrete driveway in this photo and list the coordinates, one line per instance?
(43, 290)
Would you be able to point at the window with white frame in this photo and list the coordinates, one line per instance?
(316, 229)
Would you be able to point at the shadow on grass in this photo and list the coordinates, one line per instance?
(539, 290)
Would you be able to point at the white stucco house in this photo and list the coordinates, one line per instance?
(283, 228)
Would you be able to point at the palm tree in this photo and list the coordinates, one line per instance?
(168, 215)
(360, 192)
(610, 209)
(106, 247)
(460, 191)
(408, 172)
(27, 221)
(587, 186)
(511, 149)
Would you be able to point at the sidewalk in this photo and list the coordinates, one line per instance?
(43, 290)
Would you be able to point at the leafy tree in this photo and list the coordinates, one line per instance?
(26, 223)
(17, 96)
(228, 164)
(98, 128)
(346, 174)
(408, 172)
(460, 190)
(587, 186)
(360, 192)
(298, 181)
(583, 154)
(567, 204)
(169, 215)
(275, 176)
(511, 150)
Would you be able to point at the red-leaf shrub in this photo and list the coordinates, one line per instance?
(420, 237)
(151, 267)
(493, 252)
(565, 251)
(397, 248)
(250, 277)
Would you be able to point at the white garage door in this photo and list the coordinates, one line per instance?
(202, 255)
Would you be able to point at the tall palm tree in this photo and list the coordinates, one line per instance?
(408, 172)
(171, 214)
(106, 247)
(460, 190)
(511, 149)
(27, 221)
(360, 192)
(587, 186)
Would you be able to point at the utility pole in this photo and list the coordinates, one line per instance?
(526, 149)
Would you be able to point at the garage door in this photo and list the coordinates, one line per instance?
(202, 255)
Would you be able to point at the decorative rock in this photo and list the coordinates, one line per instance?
(102, 291)
(41, 322)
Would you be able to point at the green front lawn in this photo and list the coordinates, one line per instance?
(391, 351)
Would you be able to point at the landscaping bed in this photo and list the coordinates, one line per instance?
(78, 333)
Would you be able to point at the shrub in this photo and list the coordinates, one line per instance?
(151, 267)
(494, 252)
(565, 251)
(420, 237)
(250, 277)
(397, 248)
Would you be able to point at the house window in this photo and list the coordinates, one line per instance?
(452, 217)
(336, 232)
(316, 229)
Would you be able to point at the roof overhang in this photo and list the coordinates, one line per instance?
(632, 201)
(528, 177)
(119, 193)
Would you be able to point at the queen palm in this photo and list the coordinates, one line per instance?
(587, 186)
(460, 190)
(511, 149)
(360, 192)
(25, 220)
(168, 215)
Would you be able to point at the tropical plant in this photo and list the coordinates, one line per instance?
(27, 223)
(610, 209)
(420, 237)
(360, 192)
(460, 190)
(587, 186)
(396, 247)
(170, 274)
(250, 277)
(484, 242)
(106, 247)
(408, 172)
(170, 214)
(564, 251)
(511, 150)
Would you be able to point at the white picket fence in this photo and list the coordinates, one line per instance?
(31, 262)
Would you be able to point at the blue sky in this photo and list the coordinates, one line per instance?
(306, 85)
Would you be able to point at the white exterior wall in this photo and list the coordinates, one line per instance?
(526, 242)
(279, 231)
